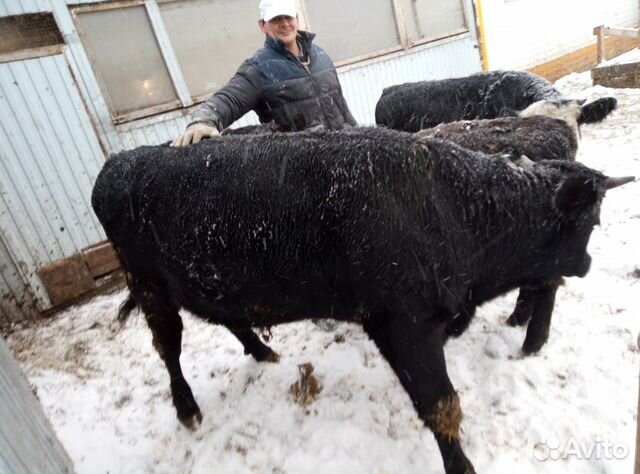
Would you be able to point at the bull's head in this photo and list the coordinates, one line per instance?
(572, 111)
(577, 202)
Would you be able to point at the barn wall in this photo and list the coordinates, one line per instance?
(521, 34)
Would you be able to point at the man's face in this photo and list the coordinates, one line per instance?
(283, 28)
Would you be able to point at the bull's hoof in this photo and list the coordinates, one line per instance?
(272, 357)
(517, 320)
(187, 409)
(532, 346)
(463, 466)
(265, 354)
(457, 326)
(192, 422)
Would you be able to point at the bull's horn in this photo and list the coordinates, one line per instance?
(524, 162)
(618, 181)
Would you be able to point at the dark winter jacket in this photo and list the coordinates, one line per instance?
(276, 85)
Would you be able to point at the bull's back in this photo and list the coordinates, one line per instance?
(537, 137)
(250, 216)
(415, 106)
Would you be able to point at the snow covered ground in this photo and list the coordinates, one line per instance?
(569, 409)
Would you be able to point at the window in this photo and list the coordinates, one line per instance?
(126, 58)
(28, 32)
(348, 29)
(211, 38)
(433, 18)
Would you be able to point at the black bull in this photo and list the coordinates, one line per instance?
(372, 226)
(415, 106)
(538, 138)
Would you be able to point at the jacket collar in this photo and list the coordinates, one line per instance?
(305, 37)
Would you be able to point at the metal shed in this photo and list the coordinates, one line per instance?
(57, 126)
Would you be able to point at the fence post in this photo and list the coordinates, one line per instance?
(636, 470)
(599, 32)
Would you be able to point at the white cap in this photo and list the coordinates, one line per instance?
(269, 9)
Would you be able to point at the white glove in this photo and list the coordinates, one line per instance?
(194, 133)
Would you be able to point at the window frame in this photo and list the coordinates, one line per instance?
(184, 98)
(160, 36)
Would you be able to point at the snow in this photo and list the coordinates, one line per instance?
(107, 394)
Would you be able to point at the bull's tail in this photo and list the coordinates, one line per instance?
(597, 111)
(126, 308)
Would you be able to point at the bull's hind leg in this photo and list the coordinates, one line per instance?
(414, 349)
(166, 327)
(253, 345)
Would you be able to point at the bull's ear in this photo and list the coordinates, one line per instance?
(576, 193)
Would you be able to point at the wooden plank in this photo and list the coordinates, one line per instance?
(617, 76)
(624, 32)
(636, 469)
(31, 53)
(141, 113)
(101, 259)
(599, 32)
(401, 24)
(168, 54)
(105, 6)
(66, 279)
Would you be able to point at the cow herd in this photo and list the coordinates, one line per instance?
(468, 189)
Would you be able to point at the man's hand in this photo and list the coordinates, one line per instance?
(195, 133)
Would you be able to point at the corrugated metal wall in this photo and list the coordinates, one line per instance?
(28, 443)
(17, 301)
(50, 159)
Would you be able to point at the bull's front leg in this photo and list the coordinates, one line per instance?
(460, 321)
(524, 308)
(544, 297)
(166, 328)
(414, 349)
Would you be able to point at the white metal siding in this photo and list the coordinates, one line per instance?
(16, 300)
(28, 443)
(19, 7)
(50, 158)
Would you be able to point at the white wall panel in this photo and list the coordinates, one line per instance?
(16, 300)
(50, 157)
(28, 443)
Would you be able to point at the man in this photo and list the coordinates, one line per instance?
(290, 81)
